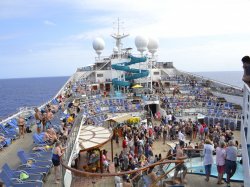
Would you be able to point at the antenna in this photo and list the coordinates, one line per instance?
(118, 37)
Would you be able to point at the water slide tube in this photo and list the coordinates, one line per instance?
(134, 73)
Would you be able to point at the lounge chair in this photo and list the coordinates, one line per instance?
(34, 170)
(33, 162)
(16, 173)
(43, 156)
(7, 140)
(8, 132)
(38, 139)
(13, 182)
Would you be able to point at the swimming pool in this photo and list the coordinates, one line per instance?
(195, 166)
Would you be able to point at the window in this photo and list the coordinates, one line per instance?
(156, 73)
(248, 98)
(99, 75)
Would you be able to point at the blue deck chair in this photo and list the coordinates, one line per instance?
(46, 156)
(211, 121)
(33, 170)
(7, 140)
(222, 122)
(7, 134)
(138, 106)
(38, 139)
(216, 120)
(18, 183)
(232, 125)
(16, 173)
(8, 130)
(39, 163)
(54, 102)
(103, 118)
(11, 125)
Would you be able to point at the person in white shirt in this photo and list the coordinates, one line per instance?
(181, 137)
(208, 157)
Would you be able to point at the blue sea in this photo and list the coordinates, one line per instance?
(16, 93)
(230, 77)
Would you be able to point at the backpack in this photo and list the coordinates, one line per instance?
(28, 130)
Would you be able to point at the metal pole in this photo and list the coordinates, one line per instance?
(112, 150)
(151, 73)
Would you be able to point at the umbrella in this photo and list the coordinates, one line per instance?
(137, 86)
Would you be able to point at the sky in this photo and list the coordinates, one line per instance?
(54, 37)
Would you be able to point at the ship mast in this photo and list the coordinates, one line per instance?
(118, 37)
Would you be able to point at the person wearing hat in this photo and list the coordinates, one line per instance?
(208, 157)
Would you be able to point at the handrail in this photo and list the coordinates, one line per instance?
(158, 161)
(162, 176)
(89, 174)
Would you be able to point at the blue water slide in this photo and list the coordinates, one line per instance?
(135, 73)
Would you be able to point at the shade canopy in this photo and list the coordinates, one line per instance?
(93, 137)
(120, 119)
(137, 86)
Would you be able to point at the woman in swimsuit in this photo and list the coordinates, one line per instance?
(57, 153)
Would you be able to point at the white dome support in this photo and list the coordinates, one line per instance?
(98, 45)
(153, 45)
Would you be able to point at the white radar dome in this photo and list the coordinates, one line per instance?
(153, 44)
(98, 45)
(141, 43)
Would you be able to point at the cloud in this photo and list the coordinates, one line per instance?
(50, 23)
(179, 18)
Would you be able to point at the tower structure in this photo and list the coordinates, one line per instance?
(118, 37)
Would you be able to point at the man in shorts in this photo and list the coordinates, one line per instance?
(180, 156)
(230, 163)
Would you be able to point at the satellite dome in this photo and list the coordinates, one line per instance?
(98, 45)
(153, 45)
(141, 43)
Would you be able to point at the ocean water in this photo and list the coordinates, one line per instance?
(16, 93)
(230, 77)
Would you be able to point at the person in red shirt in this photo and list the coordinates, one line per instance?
(124, 145)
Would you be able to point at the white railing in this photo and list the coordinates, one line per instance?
(245, 158)
(72, 151)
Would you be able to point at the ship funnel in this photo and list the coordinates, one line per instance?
(98, 45)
